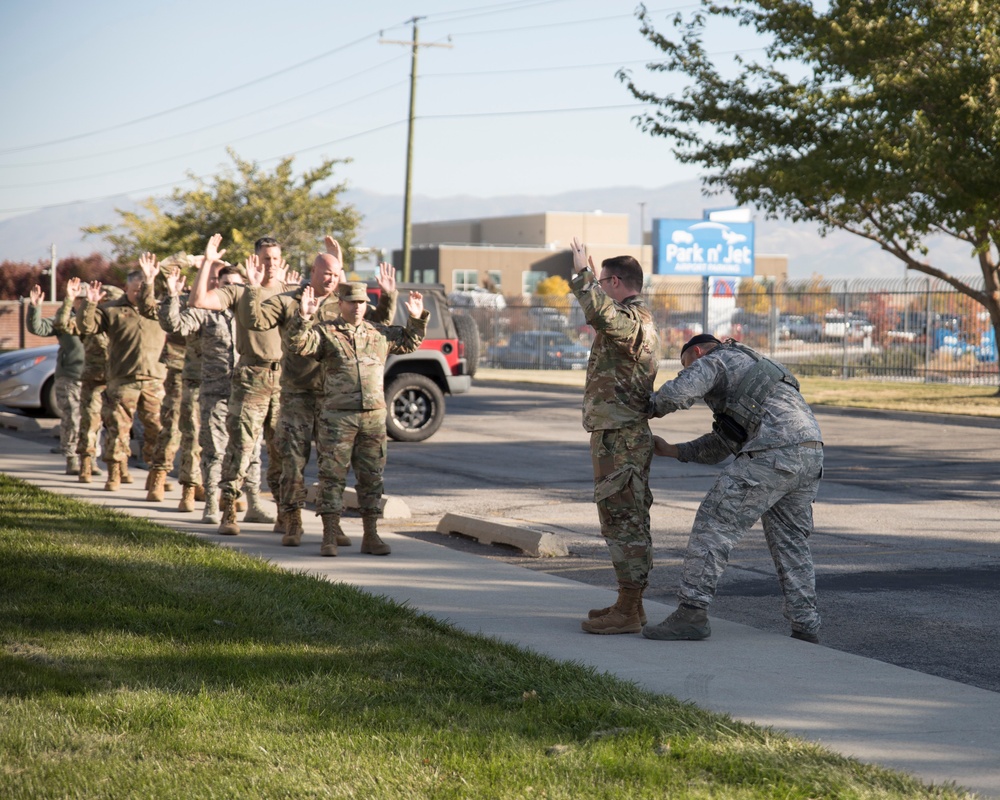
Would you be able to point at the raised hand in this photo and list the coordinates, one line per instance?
(255, 270)
(387, 277)
(95, 292)
(415, 304)
(279, 272)
(308, 304)
(175, 284)
(36, 295)
(333, 247)
(212, 251)
(293, 276)
(580, 259)
(149, 266)
(73, 288)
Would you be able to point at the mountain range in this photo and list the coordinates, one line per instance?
(838, 255)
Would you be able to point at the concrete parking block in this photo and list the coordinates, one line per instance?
(531, 541)
(392, 507)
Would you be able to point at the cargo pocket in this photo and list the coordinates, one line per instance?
(616, 488)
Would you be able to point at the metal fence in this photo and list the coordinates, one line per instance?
(917, 329)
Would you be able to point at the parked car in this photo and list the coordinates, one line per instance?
(27, 379)
(548, 318)
(541, 350)
(838, 326)
(796, 326)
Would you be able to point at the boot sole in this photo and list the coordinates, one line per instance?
(636, 628)
(675, 636)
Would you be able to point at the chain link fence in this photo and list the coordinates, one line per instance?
(917, 328)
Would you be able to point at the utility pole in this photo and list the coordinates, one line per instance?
(52, 273)
(408, 190)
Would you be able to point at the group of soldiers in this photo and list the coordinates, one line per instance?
(250, 358)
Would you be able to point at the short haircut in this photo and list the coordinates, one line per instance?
(265, 241)
(136, 275)
(231, 269)
(699, 339)
(627, 269)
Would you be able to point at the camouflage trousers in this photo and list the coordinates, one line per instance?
(777, 487)
(213, 436)
(351, 439)
(68, 402)
(253, 411)
(91, 400)
(297, 428)
(169, 437)
(621, 490)
(122, 399)
(189, 424)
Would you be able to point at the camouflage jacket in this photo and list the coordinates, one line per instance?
(216, 333)
(71, 357)
(173, 355)
(623, 360)
(134, 340)
(303, 374)
(714, 378)
(95, 346)
(353, 358)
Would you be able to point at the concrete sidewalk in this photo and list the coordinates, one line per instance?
(938, 730)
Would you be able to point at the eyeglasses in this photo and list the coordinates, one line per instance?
(610, 277)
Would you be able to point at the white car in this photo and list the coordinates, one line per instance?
(27, 379)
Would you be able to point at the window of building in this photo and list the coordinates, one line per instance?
(530, 279)
(464, 280)
(494, 278)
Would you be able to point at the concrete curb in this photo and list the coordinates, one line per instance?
(17, 422)
(487, 531)
(392, 507)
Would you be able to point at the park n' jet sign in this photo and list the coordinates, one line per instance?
(701, 247)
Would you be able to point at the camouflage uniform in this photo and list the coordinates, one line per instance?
(69, 369)
(172, 357)
(352, 417)
(620, 374)
(188, 416)
(93, 381)
(135, 376)
(774, 477)
(216, 335)
(254, 398)
(301, 382)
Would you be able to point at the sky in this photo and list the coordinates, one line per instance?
(108, 97)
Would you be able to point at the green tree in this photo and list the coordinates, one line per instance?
(243, 203)
(877, 117)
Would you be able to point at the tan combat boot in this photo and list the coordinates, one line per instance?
(155, 484)
(72, 465)
(114, 482)
(255, 509)
(293, 528)
(280, 522)
(199, 494)
(211, 512)
(187, 498)
(594, 613)
(229, 526)
(126, 477)
(241, 504)
(371, 542)
(86, 469)
(331, 525)
(623, 617)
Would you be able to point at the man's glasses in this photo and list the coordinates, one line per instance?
(601, 280)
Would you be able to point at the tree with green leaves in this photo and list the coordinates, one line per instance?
(877, 117)
(242, 203)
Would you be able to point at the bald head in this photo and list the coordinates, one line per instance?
(327, 272)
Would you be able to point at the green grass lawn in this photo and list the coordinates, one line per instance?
(140, 662)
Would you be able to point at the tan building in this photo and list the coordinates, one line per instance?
(510, 255)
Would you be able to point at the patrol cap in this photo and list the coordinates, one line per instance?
(701, 338)
(112, 293)
(353, 291)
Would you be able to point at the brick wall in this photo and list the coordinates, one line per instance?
(13, 334)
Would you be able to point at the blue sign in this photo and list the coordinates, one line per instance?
(698, 247)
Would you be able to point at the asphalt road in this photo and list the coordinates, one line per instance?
(906, 547)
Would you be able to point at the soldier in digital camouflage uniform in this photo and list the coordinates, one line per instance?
(620, 374)
(135, 374)
(254, 399)
(762, 419)
(69, 369)
(94, 379)
(302, 378)
(188, 417)
(352, 433)
(216, 335)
